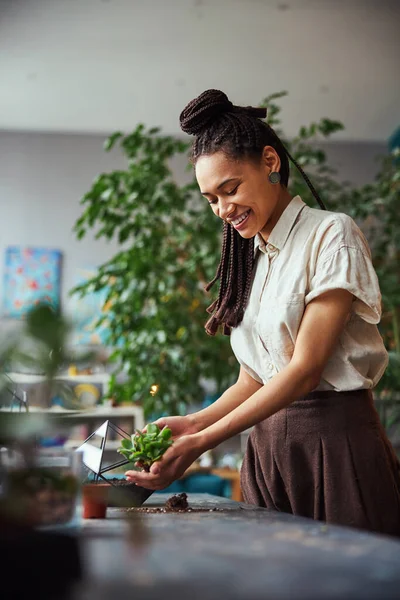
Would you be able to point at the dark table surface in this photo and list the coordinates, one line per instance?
(237, 552)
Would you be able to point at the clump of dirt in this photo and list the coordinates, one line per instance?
(177, 502)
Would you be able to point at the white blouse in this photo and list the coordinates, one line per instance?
(309, 252)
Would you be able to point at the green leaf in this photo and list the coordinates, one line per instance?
(110, 142)
(125, 452)
(152, 429)
(126, 444)
(166, 433)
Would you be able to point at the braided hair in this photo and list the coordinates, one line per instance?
(239, 132)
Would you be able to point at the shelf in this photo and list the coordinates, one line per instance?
(30, 378)
(99, 411)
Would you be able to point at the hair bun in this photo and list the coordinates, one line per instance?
(206, 108)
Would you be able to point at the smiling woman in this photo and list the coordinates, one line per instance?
(242, 169)
(300, 298)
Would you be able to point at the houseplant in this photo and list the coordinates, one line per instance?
(376, 208)
(39, 491)
(31, 495)
(169, 248)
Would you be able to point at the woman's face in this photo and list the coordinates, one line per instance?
(240, 192)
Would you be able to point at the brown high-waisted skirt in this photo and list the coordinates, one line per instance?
(327, 457)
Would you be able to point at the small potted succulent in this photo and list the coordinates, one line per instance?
(142, 449)
(146, 447)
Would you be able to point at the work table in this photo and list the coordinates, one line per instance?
(236, 552)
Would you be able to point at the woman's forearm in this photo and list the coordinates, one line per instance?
(288, 385)
(231, 399)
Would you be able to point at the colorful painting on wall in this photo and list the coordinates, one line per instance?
(87, 310)
(32, 275)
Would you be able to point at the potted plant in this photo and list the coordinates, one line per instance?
(375, 207)
(36, 495)
(41, 484)
(156, 303)
(142, 449)
(40, 496)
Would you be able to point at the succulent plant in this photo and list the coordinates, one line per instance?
(144, 448)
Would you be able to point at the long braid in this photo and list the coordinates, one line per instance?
(241, 134)
(240, 286)
(249, 267)
(225, 266)
(219, 269)
(227, 287)
(307, 180)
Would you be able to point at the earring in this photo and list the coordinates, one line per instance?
(274, 177)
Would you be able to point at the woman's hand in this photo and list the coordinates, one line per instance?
(183, 452)
(179, 425)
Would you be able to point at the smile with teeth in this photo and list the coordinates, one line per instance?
(240, 219)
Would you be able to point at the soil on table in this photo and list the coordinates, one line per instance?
(175, 504)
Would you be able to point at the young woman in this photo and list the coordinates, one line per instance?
(301, 300)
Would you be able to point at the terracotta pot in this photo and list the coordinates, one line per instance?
(95, 500)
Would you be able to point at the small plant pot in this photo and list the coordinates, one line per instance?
(95, 500)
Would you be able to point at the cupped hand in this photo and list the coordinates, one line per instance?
(176, 460)
(178, 425)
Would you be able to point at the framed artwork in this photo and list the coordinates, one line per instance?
(87, 310)
(31, 276)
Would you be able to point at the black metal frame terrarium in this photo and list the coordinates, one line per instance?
(93, 458)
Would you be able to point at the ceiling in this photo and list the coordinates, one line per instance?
(101, 65)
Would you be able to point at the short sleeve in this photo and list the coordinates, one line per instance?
(349, 268)
(250, 372)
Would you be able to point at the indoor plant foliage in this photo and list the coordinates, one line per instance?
(33, 493)
(376, 207)
(170, 247)
(41, 345)
(169, 250)
(310, 155)
(36, 491)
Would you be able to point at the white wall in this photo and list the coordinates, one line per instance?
(100, 65)
(43, 177)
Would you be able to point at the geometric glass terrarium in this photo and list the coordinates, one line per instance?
(93, 458)
(94, 446)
